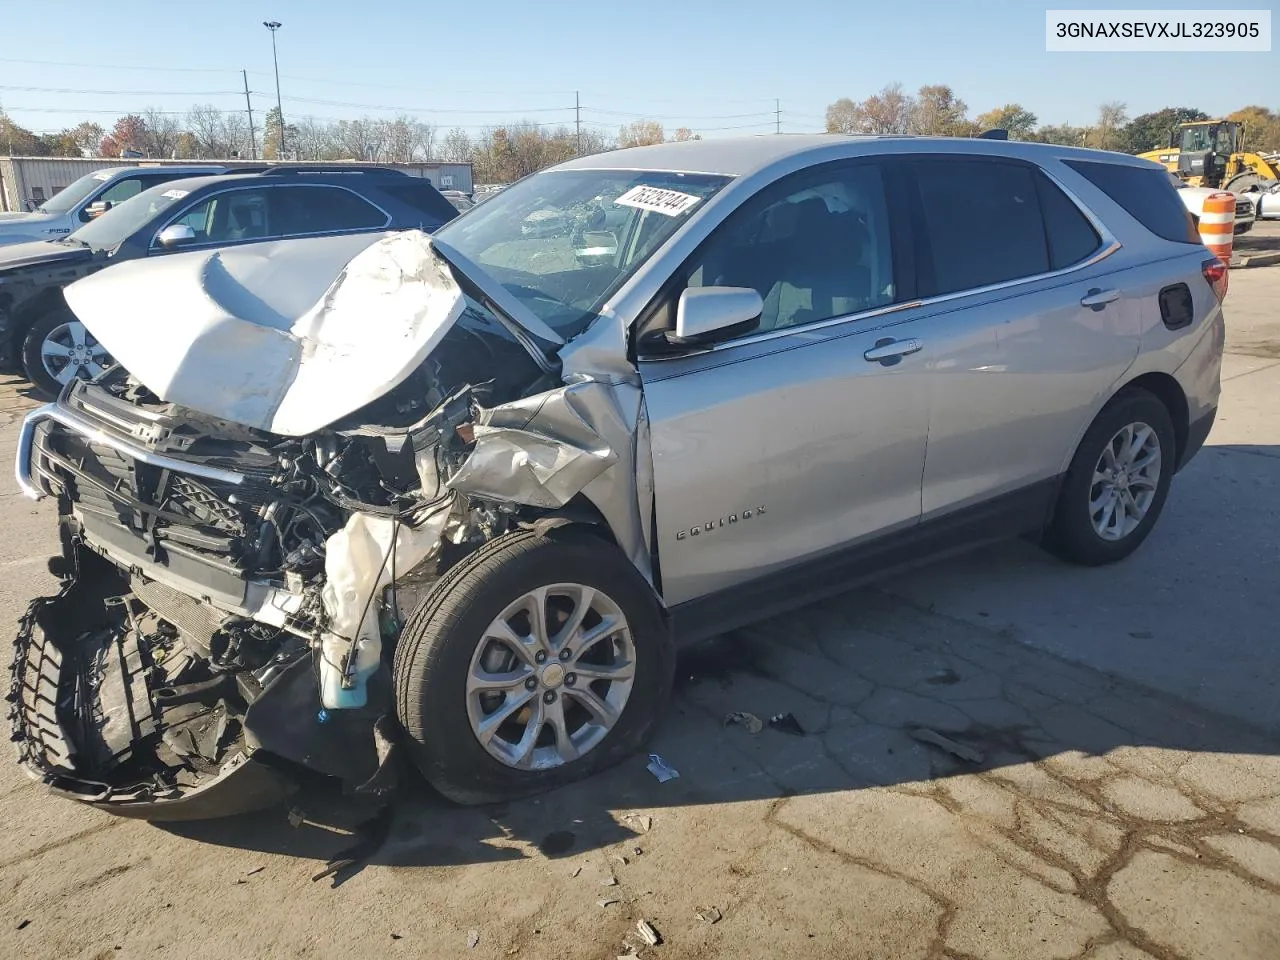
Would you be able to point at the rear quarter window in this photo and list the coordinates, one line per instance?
(422, 197)
(1145, 194)
(1071, 235)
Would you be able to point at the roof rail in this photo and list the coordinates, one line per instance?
(301, 168)
(995, 133)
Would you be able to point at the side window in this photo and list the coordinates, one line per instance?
(315, 209)
(122, 190)
(1071, 235)
(229, 217)
(981, 223)
(814, 248)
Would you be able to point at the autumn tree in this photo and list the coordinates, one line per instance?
(641, 133)
(1014, 117)
(17, 141)
(87, 137)
(684, 133)
(1261, 128)
(129, 133)
(939, 112)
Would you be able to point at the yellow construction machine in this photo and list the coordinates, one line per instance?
(1207, 153)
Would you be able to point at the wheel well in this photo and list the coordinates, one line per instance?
(1168, 391)
(30, 311)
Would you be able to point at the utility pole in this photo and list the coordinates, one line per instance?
(777, 115)
(273, 26)
(577, 119)
(253, 145)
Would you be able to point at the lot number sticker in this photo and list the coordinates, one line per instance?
(669, 202)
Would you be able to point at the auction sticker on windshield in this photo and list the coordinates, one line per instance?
(659, 200)
(175, 194)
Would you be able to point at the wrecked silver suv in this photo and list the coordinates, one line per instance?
(467, 495)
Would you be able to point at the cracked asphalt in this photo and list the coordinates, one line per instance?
(1108, 788)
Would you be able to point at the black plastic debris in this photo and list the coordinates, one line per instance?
(786, 723)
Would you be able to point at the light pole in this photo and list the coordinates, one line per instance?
(273, 26)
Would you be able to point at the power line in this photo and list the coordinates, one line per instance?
(117, 66)
(124, 93)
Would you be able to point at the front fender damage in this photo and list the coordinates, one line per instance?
(149, 700)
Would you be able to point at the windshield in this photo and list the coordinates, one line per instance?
(562, 242)
(68, 198)
(125, 219)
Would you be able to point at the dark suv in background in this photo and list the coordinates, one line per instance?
(40, 336)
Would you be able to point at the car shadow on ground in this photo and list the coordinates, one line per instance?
(879, 691)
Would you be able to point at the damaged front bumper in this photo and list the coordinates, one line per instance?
(114, 703)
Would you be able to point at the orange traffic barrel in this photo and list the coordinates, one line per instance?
(1218, 224)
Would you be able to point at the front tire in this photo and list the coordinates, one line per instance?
(1117, 483)
(537, 661)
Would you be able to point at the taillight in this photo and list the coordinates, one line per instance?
(1215, 274)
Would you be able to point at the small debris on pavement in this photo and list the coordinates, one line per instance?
(636, 851)
(743, 719)
(643, 822)
(574, 872)
(786, 723)
(607, 901)
(709, 915)
(472, 939)
(296, 817)
(649, 933)
(24, 924)
(925, 735)
(255, 870)
(396, 936)
(619, 858)
(610, 882)
(661, 769)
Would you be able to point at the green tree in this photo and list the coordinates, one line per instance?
(18, 141)
(1150, 131)
(939, 112)
(1261, 128)
(1064, 134)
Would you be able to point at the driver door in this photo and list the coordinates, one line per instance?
(792, 441)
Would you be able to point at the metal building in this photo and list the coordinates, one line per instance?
(27, 182)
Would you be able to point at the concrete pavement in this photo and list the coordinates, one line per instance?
(1120, 800)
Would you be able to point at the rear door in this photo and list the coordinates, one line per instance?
(1029, 319)
(808, 433)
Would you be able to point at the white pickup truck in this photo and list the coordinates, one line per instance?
(1193, 199)
(93, 194)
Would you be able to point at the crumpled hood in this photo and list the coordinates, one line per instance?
(287, 336)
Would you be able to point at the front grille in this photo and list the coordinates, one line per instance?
(1244, 208)
(167, 509)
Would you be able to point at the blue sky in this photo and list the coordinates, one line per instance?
(714, 67)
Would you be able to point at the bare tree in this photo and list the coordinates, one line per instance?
(1106, 132)
(87, 136)
(456, 146)
(160, 133)
(842, 116)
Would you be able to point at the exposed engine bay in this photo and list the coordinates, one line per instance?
(230, 594)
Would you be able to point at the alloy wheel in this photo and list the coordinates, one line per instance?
(551, 676)
(1125, 481)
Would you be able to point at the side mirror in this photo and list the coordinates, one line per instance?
(707, 314)
(98, 208)
(174, 235)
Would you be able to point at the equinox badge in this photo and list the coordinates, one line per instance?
(699, 529)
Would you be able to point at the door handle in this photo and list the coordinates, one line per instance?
(1097, 299)
(889, 351)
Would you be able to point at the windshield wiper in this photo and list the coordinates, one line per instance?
(72, 238)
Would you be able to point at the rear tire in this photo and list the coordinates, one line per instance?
(1099, 520)
(444, 665)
